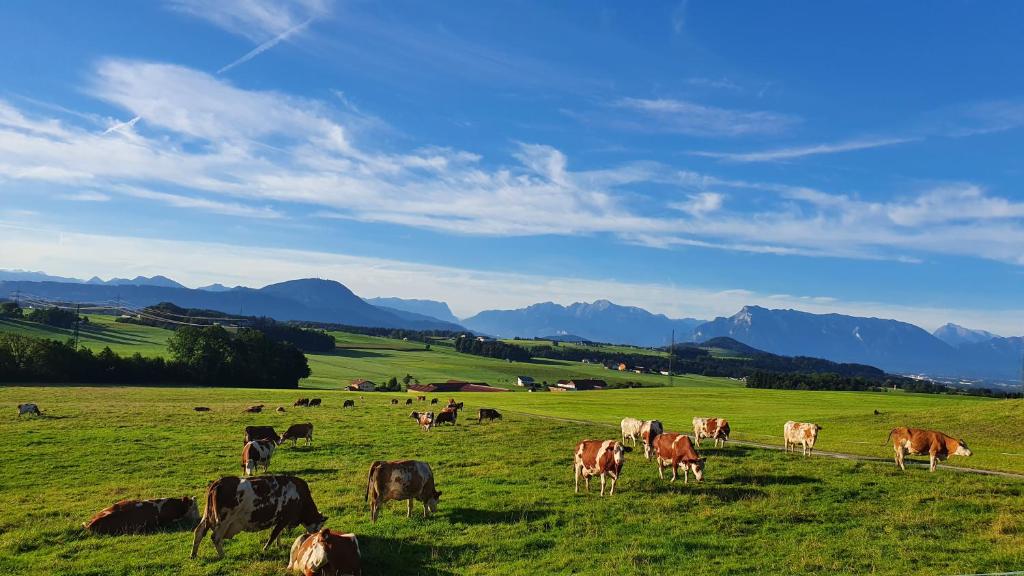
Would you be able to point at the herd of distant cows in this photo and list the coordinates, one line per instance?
(253, 503)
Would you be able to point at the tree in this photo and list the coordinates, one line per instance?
(10, 310)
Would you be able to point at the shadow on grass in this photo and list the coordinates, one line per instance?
(313, 471)
(730, 452)
(730, 493)
(771, 479)
(381, 555)
(474, 516)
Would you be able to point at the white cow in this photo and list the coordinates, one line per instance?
(631, 429)
(802, 433)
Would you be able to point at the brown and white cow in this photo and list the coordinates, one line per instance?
(804, 434)
(408, 401)
(255, 454)
(235, 505)
(296, 431)
(401, 480)
(936, 445)
(348, 403)
(598, 458)
(325, 553)
(301, 402)
(254, 409)
(421, 398)
(138, 516)
(676, 450)
(715, 428)
(433, 400)
(489, 413)
(424, 419)
(650, 431)
(259, 433)
(28, 409)
(394, 401)
(449, 415)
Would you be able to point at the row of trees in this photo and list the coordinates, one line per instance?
(209, 356)
(825, 381)
(53, 316)
(491, 349)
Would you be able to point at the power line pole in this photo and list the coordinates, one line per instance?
(671, 356)
(78, 320)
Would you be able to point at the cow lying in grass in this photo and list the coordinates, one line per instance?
(325, 553)
(139, 516)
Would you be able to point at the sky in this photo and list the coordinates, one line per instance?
(690, 157)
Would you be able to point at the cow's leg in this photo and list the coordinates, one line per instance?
(602, 483)
(200, 533)
(615, 480)
(932, 461)
(661, 470)
(899, 456)
(374, 509)
(586, 480)
(274, 534)
(408, 513)
(686, 473)
(217, 538)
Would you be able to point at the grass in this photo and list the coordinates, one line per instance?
(507, 505)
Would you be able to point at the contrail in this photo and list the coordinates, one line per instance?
(267, 45)
(120, 125)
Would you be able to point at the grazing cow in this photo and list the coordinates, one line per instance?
(489, 413)
(254, 409)
(425, 419)
(28, 409)
(676, 450)
(325, 553)
(715, 428)
(456, 405)
(281, 410)
(201, 409)
(447, 415)
(408, 401)
(803, 433)
(255, 454)
(313, 402)
(401, 480)
(937, 445)
(630, 429)
(236, 505)
(138, 516)
(598, 458)
(394, 401)
(421, 398)
(433, 400)
(296, 431)
(301, 402)
(649, 431)
(348, 403)
(259, 433)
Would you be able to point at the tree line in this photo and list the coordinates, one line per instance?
(491, 349)
(52, 316)
(838, 382)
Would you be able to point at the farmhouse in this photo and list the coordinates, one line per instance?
(360, 385)
(454, 386)
(524, 381)
(582, 384)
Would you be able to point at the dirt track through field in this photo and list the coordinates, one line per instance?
(839, 455)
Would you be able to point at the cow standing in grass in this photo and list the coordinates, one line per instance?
(29, 408)
(348, 404)
(804, 434)
(677, 451)
(139, 516)
(936, 445)
(256, 454)
(715, 428)
(424, 419)
(296, 431)
(314, 402)
(254, 409)
(325, 553)
(489, 413)
(630, 429)
(598, 458)
(236, 505)
(301, 402)
(259, 433)
(448, 415)
(401, 480)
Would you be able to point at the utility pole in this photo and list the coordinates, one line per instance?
(78, 320)
(671, 356)
(17, 296)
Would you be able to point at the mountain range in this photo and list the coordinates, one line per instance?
(432, 308)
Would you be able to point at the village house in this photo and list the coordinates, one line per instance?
(581, 384)
(526, 381)
(360, 385)
(454, 386)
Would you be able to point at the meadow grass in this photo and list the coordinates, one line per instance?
(507, 507)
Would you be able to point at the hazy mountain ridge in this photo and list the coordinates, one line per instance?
(431, 308)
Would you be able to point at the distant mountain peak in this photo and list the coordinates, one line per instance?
(956, 335)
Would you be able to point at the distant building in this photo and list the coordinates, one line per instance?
(360, 385)
(663, 372)
(581, 384)
(454, 386)
(639, 369)
(524, 381)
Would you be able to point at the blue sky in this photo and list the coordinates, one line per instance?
(689, 158)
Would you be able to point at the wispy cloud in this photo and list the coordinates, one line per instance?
(267, 45)
(791, 153)
(87, 196)
(685, 117)
(679, 17)
(121, 126)
(203, 204)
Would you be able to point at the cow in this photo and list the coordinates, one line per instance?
(325, 553)
(676, 450)
(803, 433)
(236, 505)
(255, 454)
(937, 445)
(28, 409)
(649, 431)
(314, 402)
(301, 402)
(254, 409)
(394, 401)
(348, 403)
(421, 398)
(598, 458)
(425, 419)
(447, 415)
(456, 405)
(433, 400)
(138, 516)
(201, 409)
(630, 429)
(489, 413)
(281, 410)
(401, 480)
(259, 433)
(715, 428)
(296, 431)
(408, 401)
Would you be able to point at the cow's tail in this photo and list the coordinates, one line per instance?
(889, 438)
(210, 516)
(371, 479)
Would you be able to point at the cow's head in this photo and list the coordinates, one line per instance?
(697, 467)
(433, 500)
(618, 455)
(962, 449)
(316, 525)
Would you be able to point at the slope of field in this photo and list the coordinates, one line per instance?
(507, 505)
(102, 330)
